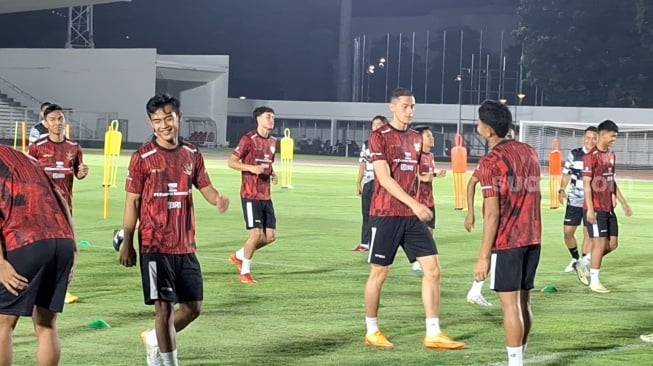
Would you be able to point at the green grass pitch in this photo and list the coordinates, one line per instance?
(307, 308)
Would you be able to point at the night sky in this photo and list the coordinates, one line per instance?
(283, 49)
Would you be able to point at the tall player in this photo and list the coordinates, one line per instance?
(427, 172)
(397, 219)
(365, 185)
(599, 187)
(159, 186)
(60, 157)
(38, 254)
(573, 172)
(254, 156)
(512, 231)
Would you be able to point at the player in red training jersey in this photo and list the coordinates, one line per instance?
(159, 186)
(60, 157)
(599, 187)
(397, 218)
(38, 254)
(512, 231)
(254, 157)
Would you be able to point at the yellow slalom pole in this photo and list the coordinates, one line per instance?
(15, 134)
(68, 135)
(287, 153)
(112, 143)
(24, 133)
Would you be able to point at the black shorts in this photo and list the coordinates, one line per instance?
(606, 225)
(174, 278)
(46, 264)
(258, 214)
(388, 233)
(514, 269)
(573, 216)
(431, 222)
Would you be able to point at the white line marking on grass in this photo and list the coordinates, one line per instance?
(561, 355)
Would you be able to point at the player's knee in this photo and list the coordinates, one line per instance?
(270, 237)
(193, 310)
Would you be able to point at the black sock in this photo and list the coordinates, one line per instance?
(574, 252)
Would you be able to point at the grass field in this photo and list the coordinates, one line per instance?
(307, 308)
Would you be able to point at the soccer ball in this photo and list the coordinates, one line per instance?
(118, 237)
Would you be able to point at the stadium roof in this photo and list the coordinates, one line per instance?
(17, 6)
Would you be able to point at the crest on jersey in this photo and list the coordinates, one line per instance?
(188, 168)
(70, 155)
(273, 149)
(611, 161)
(418, 146)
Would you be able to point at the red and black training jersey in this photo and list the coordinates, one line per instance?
(253, 149)
(511, 172)
(600, 165)
(61, 161)
(164, 179)
(30, 210)
(426, 166)
(401, 150)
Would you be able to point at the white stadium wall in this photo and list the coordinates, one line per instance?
(87, 80)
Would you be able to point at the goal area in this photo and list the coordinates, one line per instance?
(633, 147)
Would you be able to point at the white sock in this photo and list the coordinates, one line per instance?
(150, 338)
(515, 357)
(416, 266)
(170, 358)
(246, 266)
(585, 261)
(372, 325)
(477, 286)
(432, 327)
(240, 253)
(594, 276)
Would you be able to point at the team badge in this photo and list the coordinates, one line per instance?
(70, 156)
(188, 168)
(418, 146)
(273, 149)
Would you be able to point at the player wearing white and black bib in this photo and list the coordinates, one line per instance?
(573, 173)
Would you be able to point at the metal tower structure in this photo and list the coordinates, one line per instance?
(80, 27)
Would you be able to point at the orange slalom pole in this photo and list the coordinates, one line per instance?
(555, 174)
(459, 167)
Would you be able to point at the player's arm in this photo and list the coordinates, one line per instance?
(33, 135)
(490, 227)
(130, 216)
(589, 203)
(9, 278)
(622, 201)
(470, 219)
(359, 178)
(236, 163)
(563, 186)
(217, 199)
(382, 173)
(81, 170)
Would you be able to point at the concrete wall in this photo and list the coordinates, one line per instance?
(89, 80)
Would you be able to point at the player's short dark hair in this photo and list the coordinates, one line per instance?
(260, 110)
(496, 115)
(51, 108)
(44, 105)
(400, 92)
(421, 128)
(591, 129)
(160, 101)
(608, 125)
(383, 118)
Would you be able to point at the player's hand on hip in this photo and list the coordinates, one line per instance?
(481, 269)
(127, 255)
(11, 280)
(422, 212)
(221, 203)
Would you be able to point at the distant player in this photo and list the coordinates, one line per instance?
(39, 130)
(60, 157)
(512, 231)
(254, 157)
(397, 219)
(599, 186)
(573, 172)
(365, 185)
(427, 172)
(38, 254)
(159, 186)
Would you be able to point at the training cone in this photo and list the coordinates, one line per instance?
(549, 288)
(98, 324)
(84, 243)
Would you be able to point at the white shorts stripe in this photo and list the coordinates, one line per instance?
(595, 230)
(250, 214)
(151, 272)
(370, 250)
(493, 268)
